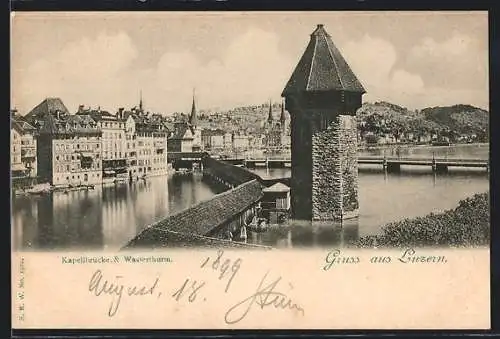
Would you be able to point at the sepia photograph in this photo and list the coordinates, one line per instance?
(196, 170)
(151, 130)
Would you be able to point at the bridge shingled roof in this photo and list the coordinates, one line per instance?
(159, 238)
(322, 68)
(204, 217)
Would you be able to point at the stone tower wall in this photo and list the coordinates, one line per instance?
(334, 189)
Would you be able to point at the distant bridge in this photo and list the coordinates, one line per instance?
(391, 164)
(394, 164)
(186, 156)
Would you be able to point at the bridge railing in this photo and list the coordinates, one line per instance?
(191, 155)
(438, 159)
(381, 158)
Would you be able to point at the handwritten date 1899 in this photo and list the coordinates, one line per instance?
(225, 268)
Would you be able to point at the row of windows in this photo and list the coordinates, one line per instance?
(76, 167)
(140, 170)
(154, 161)
(67, 157)
(107, 155)
(111, 148)
(77, 177)
(88, 146)
(110, 135)
(67, 147)
(145, 152)
(113, 124)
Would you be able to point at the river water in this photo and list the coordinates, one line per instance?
(107, 217)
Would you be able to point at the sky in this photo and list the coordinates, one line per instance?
(106, 59)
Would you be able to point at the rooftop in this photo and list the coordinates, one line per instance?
(278, 187)
(322, 68)
(164, 238)
(48, 105)
(204, 217)
(68, 124)
(22, 126)
(179, 132)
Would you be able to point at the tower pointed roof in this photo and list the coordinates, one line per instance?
(141, 107)
(270, 114)
(282, 116)
(193, 120)
(322, 68)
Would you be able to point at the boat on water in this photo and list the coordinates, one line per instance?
(257, 225)
(66, 190)
(39, 189)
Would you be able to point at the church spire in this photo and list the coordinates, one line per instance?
(141, 107)
(270, 115)
(282, 116)
(192, 118)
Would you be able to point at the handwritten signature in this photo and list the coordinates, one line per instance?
(263, 297)
(100, 286)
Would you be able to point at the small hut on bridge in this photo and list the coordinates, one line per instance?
(276, 202)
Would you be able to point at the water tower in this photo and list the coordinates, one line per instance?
(322, 96)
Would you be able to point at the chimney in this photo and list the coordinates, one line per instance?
(80, 108)
(120, 112)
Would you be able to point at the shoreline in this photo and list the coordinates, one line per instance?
(466, 225)
(409, 145)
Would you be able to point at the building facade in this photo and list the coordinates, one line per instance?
(228, 141)
(213, 139)
(181, 139)
(144, 143)
(95, 146)
(28, 148)
(240, 142)
(114, 150)
(69, 151)
(16, 166)
(322, 96)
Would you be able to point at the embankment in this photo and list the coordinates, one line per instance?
(468, 225)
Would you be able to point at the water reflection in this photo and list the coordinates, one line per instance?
(104, 218)
(387, 197)
(108, 217)
(301, 234)
(60, 223)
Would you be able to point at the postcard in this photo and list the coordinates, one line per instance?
(257, 170)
